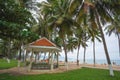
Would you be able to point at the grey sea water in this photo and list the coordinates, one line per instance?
(90, 61)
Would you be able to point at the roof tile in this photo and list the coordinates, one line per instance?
(43, 42)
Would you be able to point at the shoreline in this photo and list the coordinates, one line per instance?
(102, 66)
(98, 61)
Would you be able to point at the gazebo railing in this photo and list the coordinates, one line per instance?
(42, 66)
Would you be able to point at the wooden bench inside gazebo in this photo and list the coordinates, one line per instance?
(45, 46)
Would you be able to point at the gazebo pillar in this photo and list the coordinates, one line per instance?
(26, 54)
(52, 66)
(48, 57)
(31, 61)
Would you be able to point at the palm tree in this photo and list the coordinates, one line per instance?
(29, 4)
(71, 43)
(99, 13)
(85, 39)
(59, 20)
(88, 13)
(78, 35)
(95, 34)
(114, 27)
(82, 39)
(58, 41)
(41, 27)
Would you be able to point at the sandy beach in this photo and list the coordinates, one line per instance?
(62, 68)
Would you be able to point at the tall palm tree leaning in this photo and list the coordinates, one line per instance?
(100, 12)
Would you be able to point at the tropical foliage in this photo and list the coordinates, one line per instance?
(15, 23)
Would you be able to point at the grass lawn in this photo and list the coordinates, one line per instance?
(5, 65)
(79, 74)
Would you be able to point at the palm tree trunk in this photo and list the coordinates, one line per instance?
(84, 55)
(94, 52)
(19, 59)
(9, 50)
(78, 54)
(20, 54)
(119, 42)
(104, 44)
(65, 50)
(26, 57)
(31, 61)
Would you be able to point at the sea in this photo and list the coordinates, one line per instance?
(90, 61)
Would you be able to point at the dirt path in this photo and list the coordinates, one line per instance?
(71, 66)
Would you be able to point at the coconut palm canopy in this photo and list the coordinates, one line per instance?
(44, 45)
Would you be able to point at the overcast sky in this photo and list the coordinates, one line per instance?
(112, 45)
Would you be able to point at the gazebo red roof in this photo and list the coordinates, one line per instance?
(43, 42)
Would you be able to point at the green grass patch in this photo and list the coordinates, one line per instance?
(79, 74)
(5, 65)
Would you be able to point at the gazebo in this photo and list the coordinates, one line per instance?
(43, 45)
